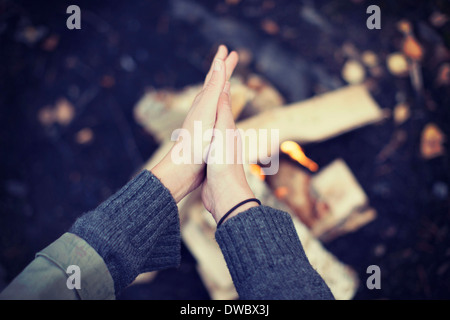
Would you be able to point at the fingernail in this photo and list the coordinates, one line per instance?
(217, 65)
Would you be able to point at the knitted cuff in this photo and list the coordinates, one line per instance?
(136, 230)
(265, 257)
(259, 235)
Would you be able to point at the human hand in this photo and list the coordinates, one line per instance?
(182, 178)
(225, 184)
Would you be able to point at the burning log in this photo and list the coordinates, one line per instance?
(330, 203)
(292, 186)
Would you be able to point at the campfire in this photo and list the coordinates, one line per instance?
(324, 202)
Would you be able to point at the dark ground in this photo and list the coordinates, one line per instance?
(48, 179)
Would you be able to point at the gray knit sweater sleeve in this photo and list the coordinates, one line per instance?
(136, 230)
(266, 259)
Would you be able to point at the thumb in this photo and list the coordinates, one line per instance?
(231, 138)
(225, 119)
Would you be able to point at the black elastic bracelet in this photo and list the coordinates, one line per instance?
(235, 207)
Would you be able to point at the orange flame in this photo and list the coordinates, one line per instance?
(281, 192)
(257, 171)
(296, 152)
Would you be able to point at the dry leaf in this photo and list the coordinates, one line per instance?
(245, 56)
(404, 26)
(369, 58)
(377, 71)
(443, 77)
(349, 50)
(353, 72)
(412, 49)
(30, 35)
(270, 26)
(401, 113)
(84, 136)
(431, 144)
(397, 64)
(107, 81)
(45, 116)
(438, 19)
(64, 112)
(51, 43)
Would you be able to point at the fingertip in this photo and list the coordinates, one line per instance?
(235, 55)
(231, 63)
(222, 52)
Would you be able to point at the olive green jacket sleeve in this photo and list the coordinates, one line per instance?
(47, 277)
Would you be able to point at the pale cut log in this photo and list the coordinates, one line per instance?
(216, 292)
(355, 220)
(198, 235)
(347, 205)
(337, 186)
(319, 118)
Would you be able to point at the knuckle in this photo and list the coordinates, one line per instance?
(213, 84)
(225, 102)
(198, 97)
(211, 87)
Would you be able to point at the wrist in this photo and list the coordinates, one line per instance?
(230, 199)
(180, 179)
(241, 208)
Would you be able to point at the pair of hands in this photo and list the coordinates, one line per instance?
(223, 184)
